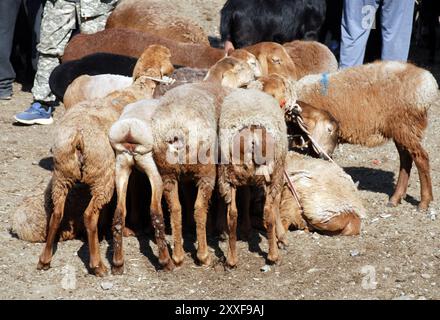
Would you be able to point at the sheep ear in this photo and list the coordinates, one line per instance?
(258, 85)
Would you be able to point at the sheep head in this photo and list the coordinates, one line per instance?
(323, 128)
(321, 125)
(230, 72)
(274, 58)
(154, 62)
(248, 57)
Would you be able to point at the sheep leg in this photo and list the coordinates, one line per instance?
(421, 160)
(146, 163)
(59, 194)
(279, 227)
(402, 181)
(232, 216)
(124, 164)
(270, 223)
(204, 194)
(91, 216)
(245, 228)
(171, 193)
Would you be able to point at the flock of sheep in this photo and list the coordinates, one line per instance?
(276, 97)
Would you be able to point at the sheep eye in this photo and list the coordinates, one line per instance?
(276, 60)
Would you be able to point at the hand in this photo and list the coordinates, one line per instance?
(229, 47)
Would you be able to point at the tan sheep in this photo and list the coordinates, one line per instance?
(158, 18)
(82, 153)
(255, 117)
(328, 196)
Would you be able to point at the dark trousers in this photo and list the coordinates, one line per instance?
(8, 16)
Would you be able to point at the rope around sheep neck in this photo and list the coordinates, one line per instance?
(165, 80)
(304, 128)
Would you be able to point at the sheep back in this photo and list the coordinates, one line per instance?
(158, 18)
(366, 99)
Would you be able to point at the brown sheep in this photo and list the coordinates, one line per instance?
(327, 195)
(256, 117)
(397, 97)
(132, 43)
(82, 153)
(311, 57)
(158, 18)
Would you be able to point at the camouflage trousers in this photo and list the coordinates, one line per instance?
(60, 18)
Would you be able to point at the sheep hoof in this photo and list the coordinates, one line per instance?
(205, 260)
(100, 270)
(43, 266)
(273, 259)
(282, 244)
(178, 260)
(231, 263)
(422, 207)
(169, 266)
(118, 270)
(391, 204)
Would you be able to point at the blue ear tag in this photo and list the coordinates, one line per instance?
(324, 84)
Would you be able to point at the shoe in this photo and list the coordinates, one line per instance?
(36, 114)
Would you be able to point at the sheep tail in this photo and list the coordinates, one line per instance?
(130, 135)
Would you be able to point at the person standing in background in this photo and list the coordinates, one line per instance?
(60, 18)
(358, 19)
(8, 17)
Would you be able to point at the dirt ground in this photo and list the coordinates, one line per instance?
(397, 256)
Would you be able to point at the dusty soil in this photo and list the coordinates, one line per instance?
(396, 256)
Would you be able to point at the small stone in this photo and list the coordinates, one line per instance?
(374, 220)
(265, 268)
(354, 253)
(106, 285)
(312, 270)
(385, 215)
(425, 276)
(432, 214)
(388, 270)
(315, 236)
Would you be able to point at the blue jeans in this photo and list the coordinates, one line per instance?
(8, 16)
(357, 21)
